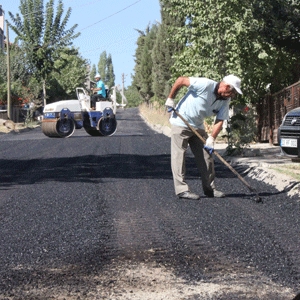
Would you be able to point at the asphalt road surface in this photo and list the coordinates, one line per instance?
(96, 218)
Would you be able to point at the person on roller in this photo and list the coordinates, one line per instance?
(204, 98)
(99, 91)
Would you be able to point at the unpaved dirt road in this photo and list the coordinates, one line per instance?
(97, 218)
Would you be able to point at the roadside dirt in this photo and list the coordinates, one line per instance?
(126, 279)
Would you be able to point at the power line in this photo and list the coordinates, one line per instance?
(111, 15)
(114, 44)
(33, 12)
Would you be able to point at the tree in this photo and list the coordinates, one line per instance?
(43, 35)
(138, 54)
(279, 27)
(102, 64)
(210, 37)
(93, 72)
(163, 52)
(133, 96)
(279, 22)
(23, 88)
(106, 69)
(73, 73)
(110, 75)
(143, 68)
(223, 37)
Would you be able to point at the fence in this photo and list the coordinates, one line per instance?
(273, 108)
(18, 114)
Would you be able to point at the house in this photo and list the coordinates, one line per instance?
(2, 37)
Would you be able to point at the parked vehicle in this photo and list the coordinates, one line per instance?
(289, 133)
(61, 118)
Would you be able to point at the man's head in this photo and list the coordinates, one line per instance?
(234, 82)
(229, 86)
(97, 77)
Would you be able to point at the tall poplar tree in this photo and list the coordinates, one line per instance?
(102, 65)
(43, 34)
(110, 75)
(93, 72)
(143, 78)
(136, 78)
(163, 51)
(106, 69)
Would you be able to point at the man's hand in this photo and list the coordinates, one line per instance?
(210, 145)
(170, 104)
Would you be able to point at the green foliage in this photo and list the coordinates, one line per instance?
(106, 69)
(72, 72)
(142, 79)
(43, 34)
(133, 97)
(242, 130)
(102, 65)
(224, 37)
(93, 72)
(162, 54)
(279, 22)
(23, 87)
(210, 36)
(258, 41)
(110, 75)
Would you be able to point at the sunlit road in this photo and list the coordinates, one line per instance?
(96, 218)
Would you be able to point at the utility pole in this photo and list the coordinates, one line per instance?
(123, 81)
(9, 104)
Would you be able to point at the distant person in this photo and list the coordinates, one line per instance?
(99, 91)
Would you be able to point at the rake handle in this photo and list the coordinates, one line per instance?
(215, 152)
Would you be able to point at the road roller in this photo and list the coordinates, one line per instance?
(61, 118)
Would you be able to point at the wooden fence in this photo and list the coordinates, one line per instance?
(273, 108)
(18, 114)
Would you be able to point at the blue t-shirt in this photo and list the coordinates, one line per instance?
(199, 103)
(100, 84)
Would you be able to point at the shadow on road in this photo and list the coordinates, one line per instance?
(93, 169)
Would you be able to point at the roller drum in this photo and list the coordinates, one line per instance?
(58, 128)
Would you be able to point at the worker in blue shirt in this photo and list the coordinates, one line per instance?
(204, 98)
(99, 91)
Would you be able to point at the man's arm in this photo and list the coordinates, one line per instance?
(97, 88)
(210, 141)
(217, 128)
(178, 84)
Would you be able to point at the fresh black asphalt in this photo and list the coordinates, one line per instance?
(84, 201)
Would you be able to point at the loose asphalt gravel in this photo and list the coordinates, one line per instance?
(97, 218)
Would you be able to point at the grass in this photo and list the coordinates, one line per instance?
(155, 115)
(159, 116)
(292, 170)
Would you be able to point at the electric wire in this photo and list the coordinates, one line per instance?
(110, 15)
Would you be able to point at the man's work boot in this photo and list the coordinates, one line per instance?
(214, 194)
(188, 195)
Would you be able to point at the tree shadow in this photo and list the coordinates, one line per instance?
(93, 169)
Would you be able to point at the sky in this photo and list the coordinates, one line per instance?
(105, 25)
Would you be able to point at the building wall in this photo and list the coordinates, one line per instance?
(1, 28)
